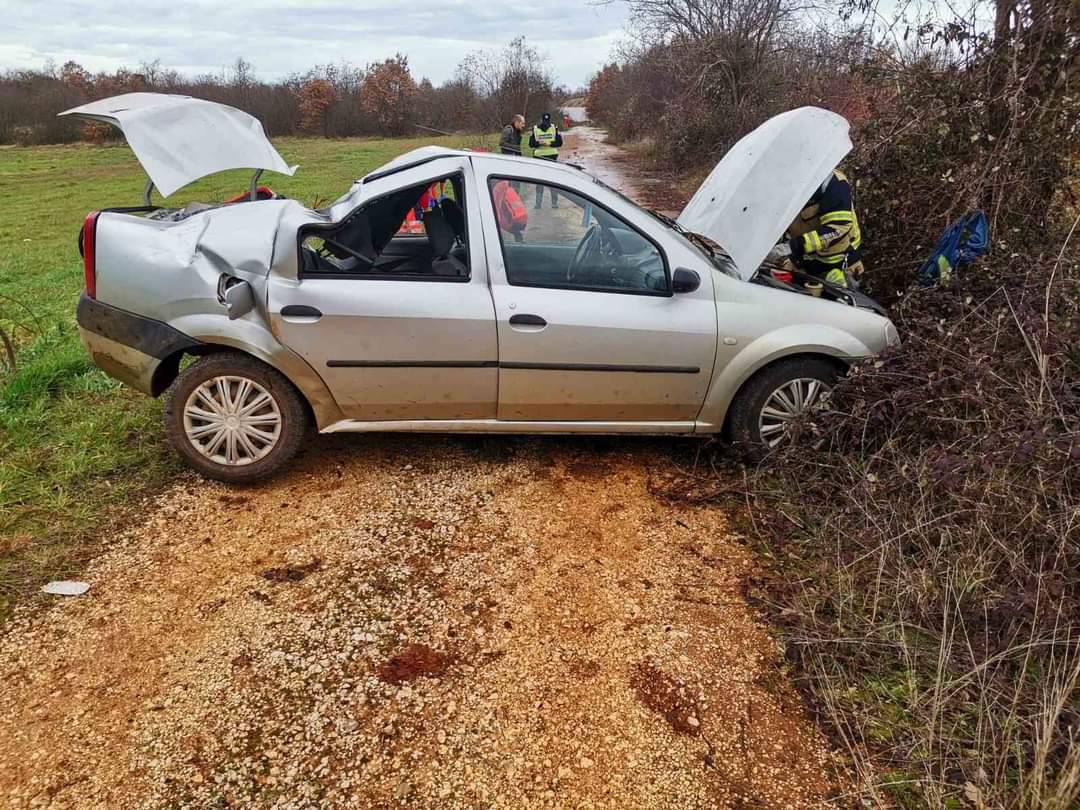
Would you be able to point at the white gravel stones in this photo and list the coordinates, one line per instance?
(467, 639)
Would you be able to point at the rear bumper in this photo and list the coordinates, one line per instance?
(126, 346)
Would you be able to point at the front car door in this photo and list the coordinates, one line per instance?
(589, 329)
(394, 313)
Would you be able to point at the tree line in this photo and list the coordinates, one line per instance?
(334, 100)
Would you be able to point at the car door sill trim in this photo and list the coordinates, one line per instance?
(506, 426)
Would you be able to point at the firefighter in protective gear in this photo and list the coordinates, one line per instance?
(545, 141)
(825, 239)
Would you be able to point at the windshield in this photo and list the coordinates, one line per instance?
(716, 255)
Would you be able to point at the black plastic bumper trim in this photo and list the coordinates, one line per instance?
(145, 335)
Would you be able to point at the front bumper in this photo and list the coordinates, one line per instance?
(126, 346)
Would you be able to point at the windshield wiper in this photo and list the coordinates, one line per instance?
(675, 226)
(705, 243)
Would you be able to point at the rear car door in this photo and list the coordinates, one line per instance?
(397, 317)
(589, 328)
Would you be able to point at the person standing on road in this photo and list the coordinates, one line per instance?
(510, 142)
(545, 141)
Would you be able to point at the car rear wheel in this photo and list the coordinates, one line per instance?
(777, 395)
(233, 418)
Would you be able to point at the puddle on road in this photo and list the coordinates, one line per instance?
(588, 148)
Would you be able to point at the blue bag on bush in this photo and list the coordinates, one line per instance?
(963, 240)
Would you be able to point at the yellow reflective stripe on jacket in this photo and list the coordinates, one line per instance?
(837, 216)
(811, 242)
(836, 277)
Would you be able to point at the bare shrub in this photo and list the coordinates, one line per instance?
(922, 538)
(508, 81)
(932, 518)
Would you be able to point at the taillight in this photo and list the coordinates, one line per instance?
(88, 245)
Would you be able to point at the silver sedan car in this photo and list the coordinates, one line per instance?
(458, 291)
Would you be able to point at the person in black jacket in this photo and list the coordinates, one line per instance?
(510, 141)
(545, 141)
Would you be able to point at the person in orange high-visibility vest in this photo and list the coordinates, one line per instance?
(509, 209)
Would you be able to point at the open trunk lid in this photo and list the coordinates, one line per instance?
(758, 188)
(179, 139)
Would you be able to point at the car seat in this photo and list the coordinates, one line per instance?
(455, 216)
(441, 238)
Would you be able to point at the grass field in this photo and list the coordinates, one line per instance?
(76, 447)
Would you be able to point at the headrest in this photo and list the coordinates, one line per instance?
(454, 215)
(440, 234)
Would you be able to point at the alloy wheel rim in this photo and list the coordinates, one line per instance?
(232, 420)
(789, 401)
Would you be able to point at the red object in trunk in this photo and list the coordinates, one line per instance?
(89, 249)
(261, 193)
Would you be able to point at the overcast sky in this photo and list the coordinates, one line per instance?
(282, 36)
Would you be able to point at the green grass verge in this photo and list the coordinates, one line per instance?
(75, 446)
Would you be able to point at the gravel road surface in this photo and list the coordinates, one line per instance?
(413, 621)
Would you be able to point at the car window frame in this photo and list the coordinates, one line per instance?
(494, 178)
(313, 229)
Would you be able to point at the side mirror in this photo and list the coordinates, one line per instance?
(684, 280)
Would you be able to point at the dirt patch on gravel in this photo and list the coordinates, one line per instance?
(667, 697)
(473, 636)
(412, 662)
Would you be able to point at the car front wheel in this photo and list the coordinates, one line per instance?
(776, 396)
(234, 418)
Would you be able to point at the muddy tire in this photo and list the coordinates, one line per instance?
(234, 418)
(772, 397)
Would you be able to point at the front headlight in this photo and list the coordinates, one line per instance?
(892, 337)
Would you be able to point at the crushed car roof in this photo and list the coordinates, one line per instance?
(179, 139)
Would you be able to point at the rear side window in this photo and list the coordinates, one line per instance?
(416, 233)
(554, 237)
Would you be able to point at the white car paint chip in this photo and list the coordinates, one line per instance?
(66, 587)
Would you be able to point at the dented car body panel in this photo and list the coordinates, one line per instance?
(462, 343)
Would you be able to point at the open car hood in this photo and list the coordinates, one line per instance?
(179, 139)
(758, 188)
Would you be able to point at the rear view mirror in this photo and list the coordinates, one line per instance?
(684, 280)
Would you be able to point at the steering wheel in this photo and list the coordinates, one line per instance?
(597, 244)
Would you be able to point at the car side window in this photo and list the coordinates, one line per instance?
(554, 237)
(416, 233)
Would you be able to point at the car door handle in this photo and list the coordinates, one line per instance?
(527, 320)
(300, 313)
